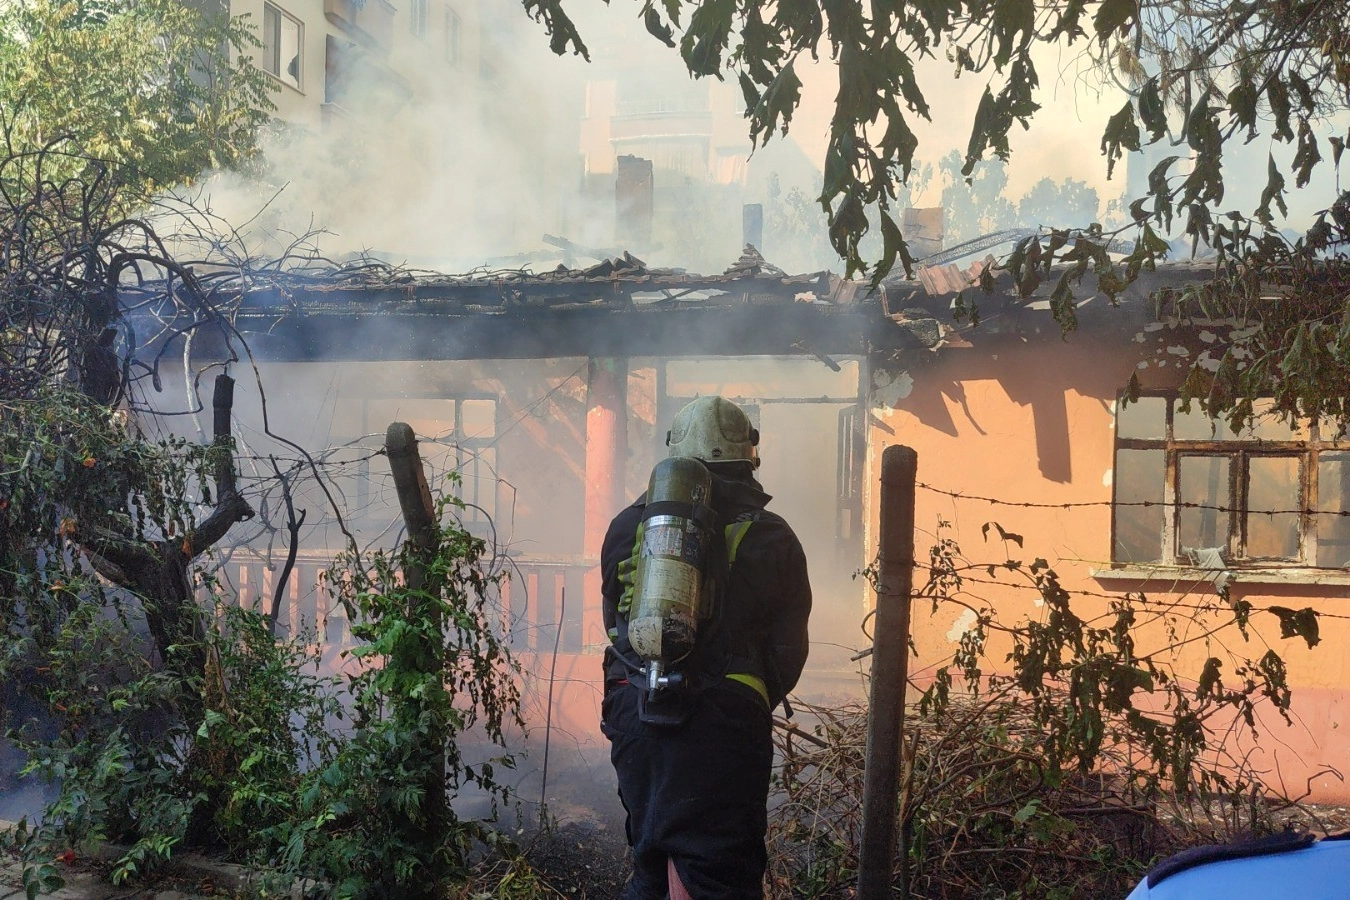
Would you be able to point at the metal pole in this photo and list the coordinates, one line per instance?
(890, 663)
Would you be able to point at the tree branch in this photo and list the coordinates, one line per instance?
(115, 557)
(293, 525)
(230, 506)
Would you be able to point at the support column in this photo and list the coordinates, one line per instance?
(606, 476)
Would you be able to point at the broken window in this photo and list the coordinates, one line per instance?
(1189, 491)
(1204, 494)
(283, 45)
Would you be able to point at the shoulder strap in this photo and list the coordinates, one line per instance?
(736, 531)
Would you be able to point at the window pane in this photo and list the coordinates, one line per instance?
(1266, 426)
(478, 418)
(271, 39)
(479, 487)
(1333, 502)
(429, 418)
(290, 52)
(344, 463)
(1196, 426)
(1139, 478)
(1203, 525)
(1273, 498)
(1144, 419)
(433, 424)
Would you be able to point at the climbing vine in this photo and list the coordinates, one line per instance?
(1055, 754)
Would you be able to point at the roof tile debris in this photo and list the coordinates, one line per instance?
(753, 263)
(950, 278)
(620, 282)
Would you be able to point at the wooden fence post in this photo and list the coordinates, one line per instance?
(890, 665)
(414, 499)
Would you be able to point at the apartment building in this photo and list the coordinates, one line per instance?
(334, 59)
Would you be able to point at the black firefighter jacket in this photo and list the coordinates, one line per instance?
(759, 628)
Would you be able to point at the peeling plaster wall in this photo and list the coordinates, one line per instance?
(1032, 422)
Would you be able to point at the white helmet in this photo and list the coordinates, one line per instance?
(714, 430)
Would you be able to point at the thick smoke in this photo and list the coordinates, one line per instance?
(473, 170)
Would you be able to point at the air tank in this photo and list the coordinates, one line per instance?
(672, 560)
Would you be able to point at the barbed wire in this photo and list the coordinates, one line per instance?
(1112, 504)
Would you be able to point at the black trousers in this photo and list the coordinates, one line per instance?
(694, 793)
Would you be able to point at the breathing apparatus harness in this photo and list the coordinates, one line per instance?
(675, 587)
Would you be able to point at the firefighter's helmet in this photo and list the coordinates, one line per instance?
(714, 430)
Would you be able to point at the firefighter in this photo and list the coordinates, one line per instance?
(693, 754)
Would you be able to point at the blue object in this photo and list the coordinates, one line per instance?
(1287, 865)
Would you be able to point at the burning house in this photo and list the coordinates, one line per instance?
(548, 396)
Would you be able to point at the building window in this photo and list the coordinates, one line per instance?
(452, 36)
(283, 45)
(417, 21)
(1189, 492)
(456, 439)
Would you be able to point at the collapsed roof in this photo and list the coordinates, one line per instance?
(623, 307)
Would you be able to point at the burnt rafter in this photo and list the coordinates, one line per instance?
(622, 307)
(617, 307)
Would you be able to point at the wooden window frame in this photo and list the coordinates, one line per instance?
(273, 16)
(1239, 451)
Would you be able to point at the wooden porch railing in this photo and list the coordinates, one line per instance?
(540, 597)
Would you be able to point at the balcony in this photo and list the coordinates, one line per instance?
(369, 21)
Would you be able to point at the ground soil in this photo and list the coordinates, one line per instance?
(580, 859)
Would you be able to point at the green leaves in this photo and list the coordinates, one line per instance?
(1242, 100)
(706, 38)
(1152, 111)
(1121, 136)
(1277, 95)
(996, 115)
(162, 89)
(1113, 16)
(559, 26)
(1307, 156)
(772, 110)
(1013, 28)
(893, 247)
(1273, 192)
(437, 668)
(657, 28)
(1124, 682)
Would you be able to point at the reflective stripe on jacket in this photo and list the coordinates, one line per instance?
(758, 635)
